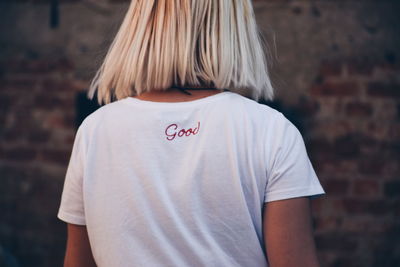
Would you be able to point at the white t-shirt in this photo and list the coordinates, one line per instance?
(183, 184)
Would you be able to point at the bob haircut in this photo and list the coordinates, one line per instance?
(164, 43)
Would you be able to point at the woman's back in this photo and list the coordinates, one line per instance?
(183, 184)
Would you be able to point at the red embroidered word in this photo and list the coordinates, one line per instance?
(172, 131)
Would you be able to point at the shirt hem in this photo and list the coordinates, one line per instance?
(69, 218)
(312, 192)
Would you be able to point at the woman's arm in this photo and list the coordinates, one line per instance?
(78, 252)
(288, 233)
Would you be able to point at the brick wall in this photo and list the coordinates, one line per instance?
(37, 118)
(354, 143)
(337, 79)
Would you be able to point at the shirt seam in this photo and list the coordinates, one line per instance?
(174, 105)
(71, 218)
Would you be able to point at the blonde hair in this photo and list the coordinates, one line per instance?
(164, 43)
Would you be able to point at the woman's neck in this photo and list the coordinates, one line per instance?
(176, 95)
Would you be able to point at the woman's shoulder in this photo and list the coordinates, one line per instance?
(254, 108)
(111, 111)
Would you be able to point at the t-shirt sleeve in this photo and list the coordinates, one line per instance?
(71, 209)
(291, 173)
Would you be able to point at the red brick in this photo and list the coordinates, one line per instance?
(392, 150)
(377, 129)
(320, 148)
(37, 66)
(347, 261)
(336, 241)
(57, 156)
(327, 223)
(335, 89)
(366, 187)
(18, 154)
(346, 146)
(356, 206)
(326, 163)
(11, 134)
(388, 67)
(5, 103)
(360, 66)
(296, 10)
(336, 186)
(63, 121)
(330, 68)
(379, 89)
(52, 101)
(17, 85)
(392, 189)
(371, 165)
(318, 205)
(359, 109)
(56, 86)
(362, 225)
(368, 145)
(307, 107)
(69, 139)
(398, 110)
(38, 136)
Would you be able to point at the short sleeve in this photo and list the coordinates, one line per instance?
(71, 209)
(290, 173)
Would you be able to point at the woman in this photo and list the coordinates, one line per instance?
(184, 167)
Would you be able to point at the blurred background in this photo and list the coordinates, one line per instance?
(335, 67)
